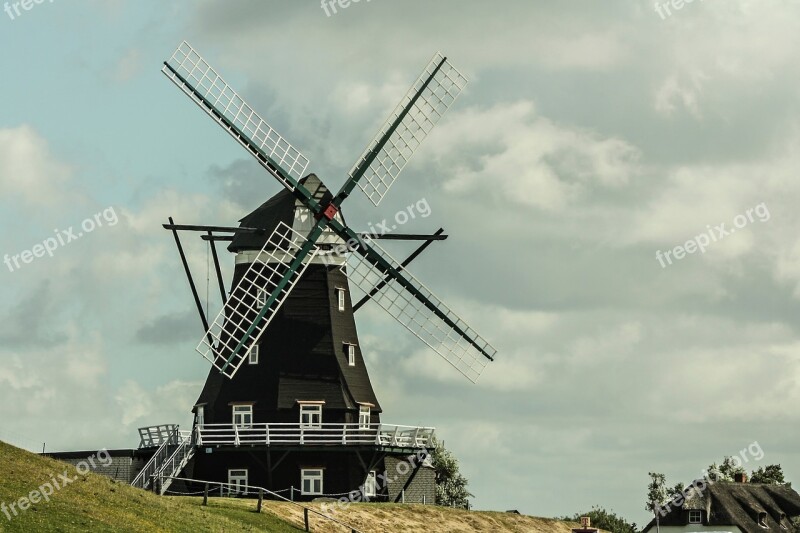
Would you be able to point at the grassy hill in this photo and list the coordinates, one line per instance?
(95, 503)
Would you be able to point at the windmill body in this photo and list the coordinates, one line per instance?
(306, 382)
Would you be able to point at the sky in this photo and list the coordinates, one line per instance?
(619, 181)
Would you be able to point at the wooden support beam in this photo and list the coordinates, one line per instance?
(189, 276)
(404, 264)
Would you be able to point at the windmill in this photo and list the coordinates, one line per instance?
(311, 246)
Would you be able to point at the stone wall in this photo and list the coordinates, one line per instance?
(421, 490)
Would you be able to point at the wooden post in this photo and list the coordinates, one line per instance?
(305, 517)
(291, 494)
(260, 500)
(403, 496)
(205, 495)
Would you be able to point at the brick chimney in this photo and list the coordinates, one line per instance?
(740, 477)
(586, 526)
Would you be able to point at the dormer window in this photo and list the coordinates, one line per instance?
(762, 520)
(695, 517)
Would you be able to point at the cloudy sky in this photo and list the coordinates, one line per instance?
(592, 135)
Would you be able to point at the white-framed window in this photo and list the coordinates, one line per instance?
(340, 299)
(310, 415)
(243, 416)
(237, 480)
(311, 481)
(200, 416)
(253, 358)
(695, 517)
(371, 485)
(261, 298)
(363, 417)
(351, 354)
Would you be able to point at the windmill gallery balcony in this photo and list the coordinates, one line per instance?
(295, 434)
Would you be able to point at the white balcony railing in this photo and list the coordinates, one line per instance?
(320, 435)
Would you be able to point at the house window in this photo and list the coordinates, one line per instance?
(200, 417)
(351, 354)
(762, 520)
(363, 417)
(695, 517)
(243, 416)
(311, 481)
(253, 359)
(370, 486)
(310, 416)
(237, 481)
(340, 298)
(261, 298)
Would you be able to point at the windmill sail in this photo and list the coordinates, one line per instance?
(256, 299)
(412, 120)
(419, 310)
(195, 77)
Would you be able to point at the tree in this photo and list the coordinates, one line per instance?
(603, 519)
(657, 494)
(770, 474)
(726, 471)
(451, 486)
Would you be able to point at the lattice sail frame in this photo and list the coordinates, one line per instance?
(437, 97)
(231, 326)
(418, 319)
(203, 79)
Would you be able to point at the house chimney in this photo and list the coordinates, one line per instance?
(586, 526)
(740, 477)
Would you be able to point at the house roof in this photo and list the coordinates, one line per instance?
(738, 504)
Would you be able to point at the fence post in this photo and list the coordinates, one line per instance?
(305, 517)
(221, 494)
(260, 499)
(205, 495)
(423, 499)
(291, 493)
(403, 496)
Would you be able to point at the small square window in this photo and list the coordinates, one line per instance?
(237, 481)
(695, 517)
(310, 416)
(253, 358)
(243, 416)
(340, 298)
(311, 481)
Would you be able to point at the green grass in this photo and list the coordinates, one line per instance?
(95, 503)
